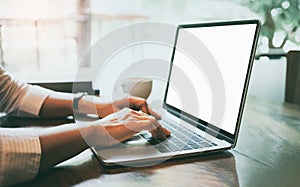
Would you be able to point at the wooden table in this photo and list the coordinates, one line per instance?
(267, 154)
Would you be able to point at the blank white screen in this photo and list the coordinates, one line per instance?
(230, 46)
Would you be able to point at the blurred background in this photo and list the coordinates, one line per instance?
(44, 40)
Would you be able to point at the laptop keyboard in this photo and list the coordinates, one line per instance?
(181, 139)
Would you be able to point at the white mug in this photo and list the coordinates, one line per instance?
(135, 86)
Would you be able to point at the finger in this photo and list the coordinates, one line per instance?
(115, 120)
(158, 132)
(152, 113)
(140, 117)
(139, 125)
(138, 113)
(154, 134)
(138, 103)
(127, 112)
(161, 135)
(145, 108)
(167, 132)
(143, 116)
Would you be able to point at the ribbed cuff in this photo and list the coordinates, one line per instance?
(20, 156)
(33, 101)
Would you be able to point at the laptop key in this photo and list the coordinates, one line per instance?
(174, 140)
(187, 147)
(196, 146)
(161, 148)
(172, 146)
(179, 135)
(205, 144)
(196, 139)
(191, 142)
(199, 136)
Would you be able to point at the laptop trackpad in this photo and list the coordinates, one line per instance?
(135, 148)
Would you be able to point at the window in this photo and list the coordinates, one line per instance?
(43, 38)
(40, 38)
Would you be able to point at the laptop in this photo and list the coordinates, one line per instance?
(204, 96)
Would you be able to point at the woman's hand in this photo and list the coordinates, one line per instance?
(121, 126)
(135, 103)
(57, 143)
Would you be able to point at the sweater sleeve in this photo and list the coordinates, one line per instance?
(20, 99)
(20, 154)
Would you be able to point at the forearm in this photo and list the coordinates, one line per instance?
(66, 141)
(57, 104)
(59, 144)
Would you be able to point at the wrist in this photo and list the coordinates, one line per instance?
(76, 98)
(86, 105)
(104, 109)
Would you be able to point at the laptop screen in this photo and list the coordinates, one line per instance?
(209, 70)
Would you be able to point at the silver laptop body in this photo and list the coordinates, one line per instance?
(204, 98)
